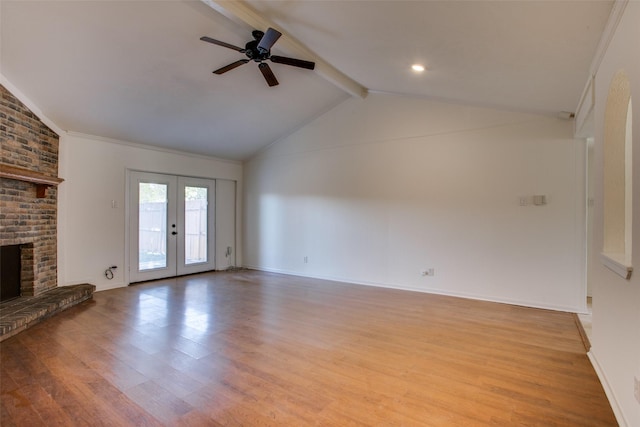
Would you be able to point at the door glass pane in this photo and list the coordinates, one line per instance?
(195, 224)
(152, 233)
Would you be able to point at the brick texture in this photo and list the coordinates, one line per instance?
(25, 219)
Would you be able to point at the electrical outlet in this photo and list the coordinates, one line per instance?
(428, 272)
(306, 260)
(636, 388)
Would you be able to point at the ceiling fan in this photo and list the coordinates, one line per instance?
(259, 50)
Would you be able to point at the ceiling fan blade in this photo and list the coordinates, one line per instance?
(292, 61)
(268, 40)
(223, 44)
(268, 74)
(230, 66)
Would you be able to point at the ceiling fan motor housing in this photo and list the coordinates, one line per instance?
(252, 51)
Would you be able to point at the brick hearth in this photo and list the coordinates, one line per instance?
(20, 313)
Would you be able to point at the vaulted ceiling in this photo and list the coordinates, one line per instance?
(137, 70)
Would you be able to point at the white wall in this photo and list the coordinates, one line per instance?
(615, 342)
(377, 190)
(91, 234)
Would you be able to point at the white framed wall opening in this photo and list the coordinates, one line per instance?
(617, 245)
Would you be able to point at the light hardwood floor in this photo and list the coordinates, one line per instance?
(259, 349)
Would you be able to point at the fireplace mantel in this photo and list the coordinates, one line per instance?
(41, 180)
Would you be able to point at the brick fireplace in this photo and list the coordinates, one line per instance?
(28, 193)
(28, 221)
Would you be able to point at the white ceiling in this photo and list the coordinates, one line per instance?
(137, 71)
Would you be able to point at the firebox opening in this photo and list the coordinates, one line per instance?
(10, 272)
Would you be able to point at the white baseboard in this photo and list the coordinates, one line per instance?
(608, 390)
(110, 286)
(530, 304)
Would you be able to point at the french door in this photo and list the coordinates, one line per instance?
(172, 223)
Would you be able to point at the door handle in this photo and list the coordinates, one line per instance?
(174, 233)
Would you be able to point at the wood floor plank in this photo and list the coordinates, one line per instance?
(251, 348)
(16, 408)
(196, 418)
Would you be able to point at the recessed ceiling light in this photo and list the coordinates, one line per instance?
(417, 68)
